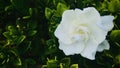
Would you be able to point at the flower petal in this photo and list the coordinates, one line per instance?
(68, 16)
(88, 15)
(106, 23)
(71, 49)
(98, 34)
(103, 45)
(61, 34)
(90, 49)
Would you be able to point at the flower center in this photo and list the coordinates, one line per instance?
(80, 34)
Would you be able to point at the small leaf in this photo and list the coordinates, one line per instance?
(28, 44)
(48, 13)
(8, 8)
(117, 59)
(74, 66)
(66, 61)
(61, 8)
(114, 6)
(52, 64)
(18, 61)
(30, 11)
(115, 35)
(6, 34)
(20, 39)
(33, 12)
(32, 32)
(26, 17)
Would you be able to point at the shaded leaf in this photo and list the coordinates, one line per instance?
(114, 6)
(20, 39)
(115, 35)
(32, 32)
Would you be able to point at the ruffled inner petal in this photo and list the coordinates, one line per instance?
(98, 34)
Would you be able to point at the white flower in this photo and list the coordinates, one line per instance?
(83, 32)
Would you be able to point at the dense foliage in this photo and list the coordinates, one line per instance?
(27, 34)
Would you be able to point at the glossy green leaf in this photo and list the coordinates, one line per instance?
(26, 17)
(117, 59)
(33, 12)
(65, 62)
(52, 64)
(18, 61)
(20, 39)
(74, 66)
(32, 32)
(48, 13)
(7, 35)
(61, 8)
(115, 35)
(114, 6)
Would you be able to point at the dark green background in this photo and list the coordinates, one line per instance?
(27, 34)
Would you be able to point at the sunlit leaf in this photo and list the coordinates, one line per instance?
(61, 8)
(48, 12)
(52, 64)
(74, 66)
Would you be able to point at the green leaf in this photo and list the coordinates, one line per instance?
(7, 35)
(55, 2)
(32, 32)
(114, 6)
(20, 39)
(28, 44)
(2, 55)
(117, 59)
(33, 11)
(65, 62)
(74, 66)
(18, 61)
(8, 8)
(30, 11)
(52, 64)
(48, 13)
(26, 17)
(115, 36)
(12, 30)
(21, 5)
(30, 61)
(61, 8)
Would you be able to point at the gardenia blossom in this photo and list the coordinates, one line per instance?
(83, 32)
